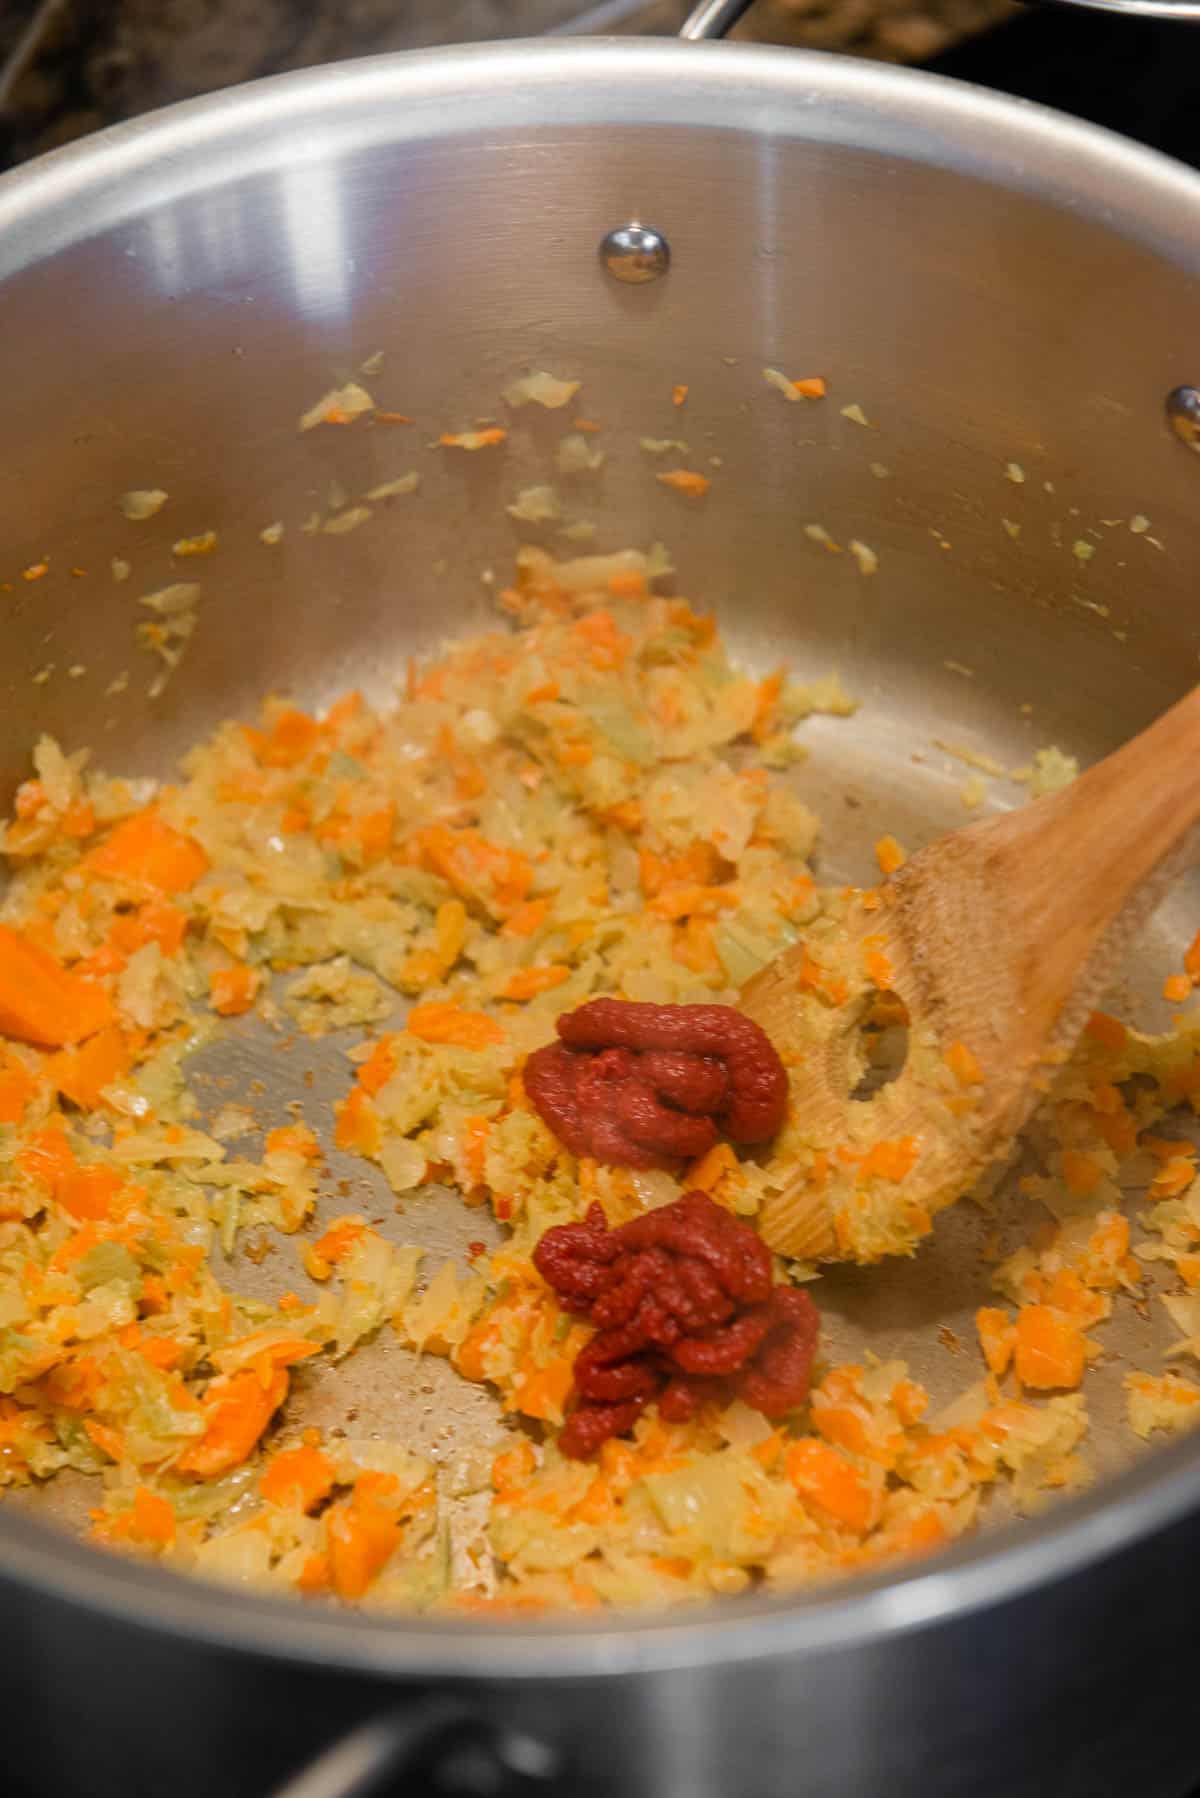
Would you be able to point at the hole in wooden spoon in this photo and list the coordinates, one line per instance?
(882, 1045)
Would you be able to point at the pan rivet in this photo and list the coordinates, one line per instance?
(1183, 415)
(635, 253)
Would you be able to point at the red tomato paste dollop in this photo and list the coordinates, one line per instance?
(651, 1085)
(684, 1310)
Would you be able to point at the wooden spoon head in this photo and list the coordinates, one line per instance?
(861, 1177)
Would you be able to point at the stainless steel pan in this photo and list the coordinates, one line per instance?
(993, 284)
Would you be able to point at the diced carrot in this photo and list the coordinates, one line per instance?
(997, 1338)
(149, 1522)
(475, 867)
(232, 991)
(373, 832)
(543, 693)
(1191, 959)
(686, 481)
(527, 983)
(88, 1192)
(1106, 1030)
(358, 1128)
(1050, 1349)
(40, 1002)
(698, 865)
(449, 1024)
(163, 1352)
(340, 1238)
(146, 852)
(679, 393)
(342, 712)
(878, 969)
(892, 1160)
(527, 919)
(81, 1074)
(544, 1391)
(314, 1575)
(105, 1437)
(299, 1476)
(825, 1478)
(47, 1157)
(574, 755)
(157, 921)
(378, 1069)
(362, 1533)
(292, 737)
(1177, 988)
(890, 855)
(293, 1139)
(811, 386)
(477, 1130)
(963, 1065)
(512, 1468)
(767, 699)
(686, 902)
(237, 1409)
(1081, 1172)
(627, 583)
(473, 439)
(707, 1173)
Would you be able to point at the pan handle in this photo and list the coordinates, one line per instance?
(378, 1755)
(713, 18)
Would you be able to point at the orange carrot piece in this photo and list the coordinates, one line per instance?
(1106, 1030)
(811, 386)
(237, 1409)
(157, 921)
(362, 1534)
(87, 1192)
(1177, 988)
(299, 1476)
(685, 481)
(339, 1239)
(291, 739)
(358, 1128)
(449, 1024)
(825, 1478)
(148, 1523)
(890, 1160)
(1050, 1349)
(40, 1002)
(679, 393)
(232, 991)
(963, 1065)
(378, 1069)
(81, 1074)
(144, 851)
(1191, 959)
(889, 855)
(764, 708)
(527, 983)
(342, 711)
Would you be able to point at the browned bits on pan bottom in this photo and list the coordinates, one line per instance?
(684, 1310)
(651, 1085)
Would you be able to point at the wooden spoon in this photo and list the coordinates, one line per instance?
(999, 938)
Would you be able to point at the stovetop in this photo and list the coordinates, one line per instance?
(1137, 76)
